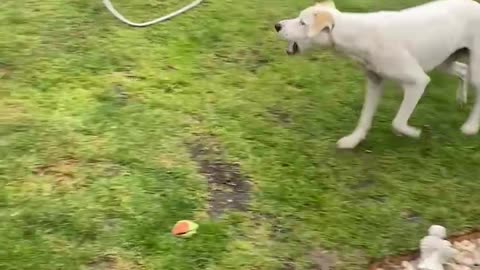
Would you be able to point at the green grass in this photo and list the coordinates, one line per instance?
(95, 119)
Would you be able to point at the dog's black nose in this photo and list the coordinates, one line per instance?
(278, 27)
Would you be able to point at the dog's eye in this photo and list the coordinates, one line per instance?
(302, 22)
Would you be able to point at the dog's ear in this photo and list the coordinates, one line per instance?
(322, 20)
(328, 3)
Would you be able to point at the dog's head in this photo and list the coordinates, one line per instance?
(311, 27)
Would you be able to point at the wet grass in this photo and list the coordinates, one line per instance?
(97, 120)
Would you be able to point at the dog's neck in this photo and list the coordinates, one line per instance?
(349, 36)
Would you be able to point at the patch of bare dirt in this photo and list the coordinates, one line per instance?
(397, 262)
(228, 187)
(69, 173)
(63, 172)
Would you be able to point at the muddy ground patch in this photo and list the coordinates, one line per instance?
(228, 187)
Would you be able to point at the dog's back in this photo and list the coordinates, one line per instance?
(433, 30)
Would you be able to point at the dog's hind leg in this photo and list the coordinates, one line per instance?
(460, 70)
(372, 98)
(472, 125)
(413, 79)
(413, 90)
(401, 67)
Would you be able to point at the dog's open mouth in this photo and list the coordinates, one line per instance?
(293, 48)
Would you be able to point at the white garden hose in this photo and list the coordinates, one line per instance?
(119, 16)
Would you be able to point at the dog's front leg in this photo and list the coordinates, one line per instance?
(372, 98)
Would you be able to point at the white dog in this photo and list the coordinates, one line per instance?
(400, 46)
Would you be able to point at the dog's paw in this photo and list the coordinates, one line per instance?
(470, 129)
(408, 131)
(348, 142)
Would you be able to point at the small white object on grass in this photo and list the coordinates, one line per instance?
(435, 251)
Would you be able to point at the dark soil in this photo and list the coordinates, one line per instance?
(228, 187)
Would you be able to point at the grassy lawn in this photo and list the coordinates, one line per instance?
(110, 134)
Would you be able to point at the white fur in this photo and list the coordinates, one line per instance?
(401, 46)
